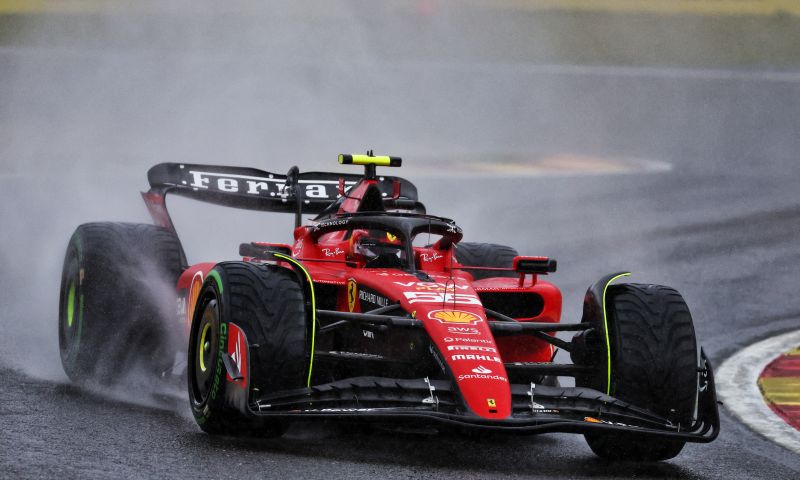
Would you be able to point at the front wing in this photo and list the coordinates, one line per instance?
(536, 408)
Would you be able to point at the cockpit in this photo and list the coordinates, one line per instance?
(383, 240)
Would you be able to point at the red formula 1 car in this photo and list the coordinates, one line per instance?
(377, 312)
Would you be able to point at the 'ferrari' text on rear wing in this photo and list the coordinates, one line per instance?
(253, 189)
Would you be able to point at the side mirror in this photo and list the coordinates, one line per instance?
(264, 251)
(534, 265)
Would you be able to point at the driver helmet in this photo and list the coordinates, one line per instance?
(379, 249)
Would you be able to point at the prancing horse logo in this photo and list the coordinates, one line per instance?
(352, 294)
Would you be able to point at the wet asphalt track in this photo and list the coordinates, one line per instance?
(721, 226)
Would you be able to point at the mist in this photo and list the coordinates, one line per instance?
(478, 111)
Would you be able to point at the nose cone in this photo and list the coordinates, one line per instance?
(463, 337)
(455, 320)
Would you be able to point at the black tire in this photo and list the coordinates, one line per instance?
(267, 303)
(486, 255)
(112, 305)
(653, 365)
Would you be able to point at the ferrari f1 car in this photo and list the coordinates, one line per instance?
(377, 312)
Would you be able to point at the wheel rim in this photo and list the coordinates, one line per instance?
(71, 304)
(205, 350)
(205, 346)
(71, 314)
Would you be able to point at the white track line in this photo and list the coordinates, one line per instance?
(737, 387)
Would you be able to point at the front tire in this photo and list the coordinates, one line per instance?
(266, 303)
(653, 366)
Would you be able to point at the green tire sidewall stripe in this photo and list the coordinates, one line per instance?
(215, 275)
(605, 328)
(313, 310)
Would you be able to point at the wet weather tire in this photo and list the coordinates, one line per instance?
(267, 304)
(114, 298)
(653, 366)
(486, 255)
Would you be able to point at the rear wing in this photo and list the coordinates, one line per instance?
(253, 189)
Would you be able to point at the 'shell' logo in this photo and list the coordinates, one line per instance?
(454, 316)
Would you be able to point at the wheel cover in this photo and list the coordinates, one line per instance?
(206, 350)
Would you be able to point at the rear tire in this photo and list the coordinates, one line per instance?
(653, 366)
(486, 255)
(113, 313)
(267, 303)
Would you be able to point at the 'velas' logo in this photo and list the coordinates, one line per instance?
(352, 294)
(454, 316)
